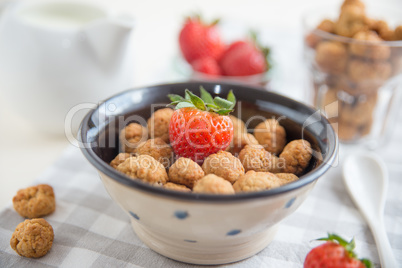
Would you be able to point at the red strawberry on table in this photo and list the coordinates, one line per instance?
(244, 58)
(200, 40)
(335, 253)
(200, 126)
(206, 65)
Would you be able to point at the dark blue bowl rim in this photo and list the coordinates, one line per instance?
(106, 169)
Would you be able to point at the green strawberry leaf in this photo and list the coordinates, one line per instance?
(224, 111)
(367, 263)
(186, 95)
(205, 96)
(195, 100)
(223, 103)
(175, 97)
(231, 97)
(184, 105)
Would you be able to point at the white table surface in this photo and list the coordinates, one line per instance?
(25, 152)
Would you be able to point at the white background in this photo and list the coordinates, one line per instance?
(25, 152)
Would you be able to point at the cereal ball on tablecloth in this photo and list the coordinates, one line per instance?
(131, 136)
(256, 158)
(32, 238)
(158, 124)
(239, 141)
(256, 181)
(238, 125)
(212, 184)
(296, 156)
(271, 136)
(176, 187)
(285, 178)
(145, 168)
(185, 171)
(158, 149)
(120, 158)
(372, 50)
(331, 57)
(223, 164)
(35, 201)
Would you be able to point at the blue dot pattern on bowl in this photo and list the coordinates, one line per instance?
(233, 232)
(181, 214)
(290, 202)
(190, 241)
(135, 216)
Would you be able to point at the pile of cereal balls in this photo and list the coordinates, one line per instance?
(252, 162)
(353, 70)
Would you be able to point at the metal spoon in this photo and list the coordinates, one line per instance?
(366, 179)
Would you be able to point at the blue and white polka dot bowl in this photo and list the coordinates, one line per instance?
(200, 228)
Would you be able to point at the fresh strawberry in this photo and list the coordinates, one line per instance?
(206, 65)
(243, 58)
(335, 253)
(199, 40)
(200, 126)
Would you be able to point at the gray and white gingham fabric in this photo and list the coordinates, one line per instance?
(92, 231)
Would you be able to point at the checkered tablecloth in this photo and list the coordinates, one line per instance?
(92, 231)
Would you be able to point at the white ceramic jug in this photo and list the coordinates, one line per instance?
(55, 55)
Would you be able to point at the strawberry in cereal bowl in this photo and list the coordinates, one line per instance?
(206, 171)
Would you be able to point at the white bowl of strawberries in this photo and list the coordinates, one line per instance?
(207, 57)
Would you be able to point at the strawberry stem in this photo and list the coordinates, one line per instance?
(218, 105)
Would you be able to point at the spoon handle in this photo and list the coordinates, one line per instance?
(387, 257)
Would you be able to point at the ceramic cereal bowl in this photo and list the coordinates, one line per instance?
(201, 228)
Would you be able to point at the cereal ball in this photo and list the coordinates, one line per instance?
(256, 158)
(32, 238)
(239, 141)
(158, 124)
(158, 149)
(361, 71)
(357, 3)
(382, 29)
(212, 184)
(185, 171)
(145, 168)
(271, 135)
(326, 26)
(223, 164)
(351, 20)
(398, 33)
(359, 112)
(35, 201)
(372, 50)
(238, 125)
(285, 178)
(256, 181)
(331, 57)
(176, 187)
(120, 158)
(277, 165)
(131, 136)
(296, 155)
(347, 132)
(314, 37)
